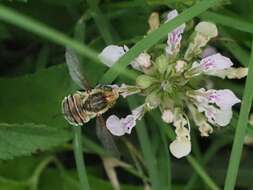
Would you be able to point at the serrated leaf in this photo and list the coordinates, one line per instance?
(25, 139)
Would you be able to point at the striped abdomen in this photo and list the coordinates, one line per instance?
(73, 110)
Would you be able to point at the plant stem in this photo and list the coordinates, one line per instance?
(79, 159)
(235, 157)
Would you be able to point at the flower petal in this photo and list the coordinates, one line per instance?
(180, 147)
(128, 123)
(111, 54)
(167, 116)
(225, 99)
(223, 117)
(174, 37)
(143, 61)
(139, 112)
(114, 125)
(215, 62)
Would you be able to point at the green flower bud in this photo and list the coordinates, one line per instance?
(161, 63)
(153, 100)
(145, 81)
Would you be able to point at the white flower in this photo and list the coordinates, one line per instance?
(180, 147)
(167, 116)
(119, 127)
(174, 37)
(111, 54)
(143, 61)
(223, 99)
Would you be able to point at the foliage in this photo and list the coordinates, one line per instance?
(35, 140)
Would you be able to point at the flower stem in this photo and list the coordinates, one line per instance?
(79, 159)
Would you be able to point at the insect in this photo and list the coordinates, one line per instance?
(83, 105)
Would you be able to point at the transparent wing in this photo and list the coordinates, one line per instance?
(105, 137)
(74, 68)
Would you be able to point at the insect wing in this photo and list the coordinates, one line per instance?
(105, 137)
(74, 68)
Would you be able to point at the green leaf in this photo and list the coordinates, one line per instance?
(24, 139)
(35, 98)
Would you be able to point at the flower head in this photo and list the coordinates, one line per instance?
(166, 83)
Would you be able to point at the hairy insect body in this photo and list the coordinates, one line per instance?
(80, 107)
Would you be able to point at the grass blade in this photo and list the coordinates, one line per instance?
(240, 129)
(78, 151)
(155, 37)
(230, 21)
(102, 23)
(147, 151)
(201, 172)
(11, 16)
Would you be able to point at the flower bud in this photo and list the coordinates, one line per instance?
(180, 147)
(167, 116)
(144, 81)
(153, 22)
(161, 63)
(153, 100)
(180, 66)
(207, 29)
(142, 62)
(205, 129)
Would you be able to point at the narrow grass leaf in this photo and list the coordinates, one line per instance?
(11, 16)
(241, 128)
(230, 21)
(101, 21)
(147, 151)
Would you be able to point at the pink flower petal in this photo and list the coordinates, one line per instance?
(128, 123)
(215, 62)
(111, 54)
(114, 125)
(174, 37)
(225, 99)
